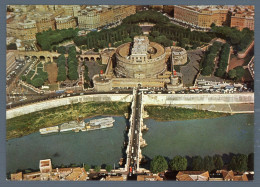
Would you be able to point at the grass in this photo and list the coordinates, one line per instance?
(30, 123)
(164, 113)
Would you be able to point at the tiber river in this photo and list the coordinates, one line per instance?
(224, 135)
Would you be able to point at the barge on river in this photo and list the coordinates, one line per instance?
(80, 126)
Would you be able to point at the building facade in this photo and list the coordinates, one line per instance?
(45, 23)
(242, 20)
(89, 19)
(147, 59)
(65, 22)
(94, 17)
(10, 62)
(202, 16)
(140, 62)
(23, 30)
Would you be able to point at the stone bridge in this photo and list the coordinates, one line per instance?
(49, 56)
(90, 57)
(135, 139)
(45, 55)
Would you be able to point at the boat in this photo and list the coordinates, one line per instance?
(100, 123)
(80, 125)
(49, 130)
(72, 126)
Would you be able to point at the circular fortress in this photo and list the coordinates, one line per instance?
(179, 56)
(140, 59)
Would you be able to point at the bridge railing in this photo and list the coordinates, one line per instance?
(140, 132)
(128, 149)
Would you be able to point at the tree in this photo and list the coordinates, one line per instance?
(206, 71)
(37, 82)
(241, 161)
(232, 74)
(240, 71)
(233, 164)
(158, 164)
(97, 168)
(11, 46)
(218, 162)
(86, 167)
(213, 25)
(208, 163)
(155, 33)
(108, 168)
(61, 49)
(23, 78)
(250, 163)
(197, 163)
(178, 163)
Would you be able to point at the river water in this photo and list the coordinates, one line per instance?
(232, 134)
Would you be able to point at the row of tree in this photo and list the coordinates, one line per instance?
(223, 61)
(238, 39)
(238, 162)
(237, 73)
(72, 64)
(60, 49)
(181, 35)
(53, 37)
(97, 168)
(122, 33)
(161, 39)
(86, 77)
(208, 62)
(61, 63)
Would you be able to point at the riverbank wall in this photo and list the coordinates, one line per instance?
(173, 99)
(209, 102)
(35, 107)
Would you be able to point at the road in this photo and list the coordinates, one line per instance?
(34, 98)
(134, 147)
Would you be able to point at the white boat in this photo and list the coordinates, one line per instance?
(49, 130)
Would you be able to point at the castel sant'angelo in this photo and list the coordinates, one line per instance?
(144, 63)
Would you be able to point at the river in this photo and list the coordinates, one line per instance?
(231, 134)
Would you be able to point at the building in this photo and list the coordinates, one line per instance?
(17, 176)
(25, 30)
(202, 16)
(115, 178)
(89, 19)
(140, 62)
(178, 56)
(146, 60)
(243, 19)
(28, 30)
(65, 22)
(232, 176)
(47, 173)
(77, 174)
(192, 176)
(45, 166)
(45, 23)
(34, 176)
(69, 10)
(148, 178)
(10, 62)
(93, 17)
